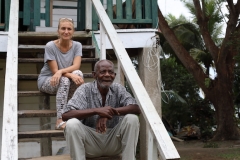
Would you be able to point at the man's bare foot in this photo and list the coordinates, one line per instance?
(60, 124)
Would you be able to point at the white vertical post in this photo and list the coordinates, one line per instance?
(88, 15)
(103, 41)
(10, 116)
(120, 74)
(152, 147)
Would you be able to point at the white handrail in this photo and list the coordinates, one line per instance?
(10, 117)
(162, 139)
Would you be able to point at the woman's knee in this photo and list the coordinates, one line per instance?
(65, 81)
(78, 72)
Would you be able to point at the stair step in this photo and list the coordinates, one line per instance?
(35, 76)
(41, 134)
(40, 60)
(36, 113)
(32, 93)
(41, 47)
(67, 157)
(51, 35)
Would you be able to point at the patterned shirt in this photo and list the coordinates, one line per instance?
(87, 96)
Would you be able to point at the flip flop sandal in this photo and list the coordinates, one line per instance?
(59, 126)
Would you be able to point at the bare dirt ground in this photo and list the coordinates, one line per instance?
(198, 150)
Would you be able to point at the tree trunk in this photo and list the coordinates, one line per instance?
(222, 98)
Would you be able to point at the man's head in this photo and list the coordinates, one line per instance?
(104, 73)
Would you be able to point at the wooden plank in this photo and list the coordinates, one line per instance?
(35, 76)
(119, 9)
(88, 18)
(41, 134)
(45, 124)
(31, 93)
(154, 14)
(138, 9)
(129, 21)
(9, 143)
(97, 49)
(103, 37)
(81, 15)
(51, 13)
(67, 157)
(110, 9)
(128, 9)
(94, 20)
(37, 14)
(37, 47)
(36, 113)
(48, 13)
(147, 9)
(40, 60)
(39, 35)
(165, 145)
(0, 11)
(26, 12)
(7, 13)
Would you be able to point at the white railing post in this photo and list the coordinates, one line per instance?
(9, 145)
(103, 41)
(152, 153)
(120, 74)
(88, 15)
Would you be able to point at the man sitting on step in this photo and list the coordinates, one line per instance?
(102, 118)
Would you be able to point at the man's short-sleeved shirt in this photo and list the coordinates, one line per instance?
(87, 96)
(64, 60)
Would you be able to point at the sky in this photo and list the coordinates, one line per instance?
(175, 7)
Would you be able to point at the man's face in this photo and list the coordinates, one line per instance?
(105, 75)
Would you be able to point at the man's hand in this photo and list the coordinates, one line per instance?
(55, 78)
(77, 79)
(101, 126)
(107, 112)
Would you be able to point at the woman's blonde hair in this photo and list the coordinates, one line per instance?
(66, 20)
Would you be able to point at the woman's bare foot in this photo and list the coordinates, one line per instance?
(60, 124)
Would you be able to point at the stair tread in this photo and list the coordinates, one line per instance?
(40, 60)
(36, 113)
(52, 34)
(32, 93)
(67, 157)
(35, 76)
(41, 134)
(84, 47)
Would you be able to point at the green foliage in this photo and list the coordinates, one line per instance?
(184, 106)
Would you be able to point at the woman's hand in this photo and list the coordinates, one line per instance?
(55, 78)
(77, 79)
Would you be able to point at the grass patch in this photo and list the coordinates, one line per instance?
(210, 145)
(233, 155)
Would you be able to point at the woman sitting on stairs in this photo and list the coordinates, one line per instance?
(60, 73)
